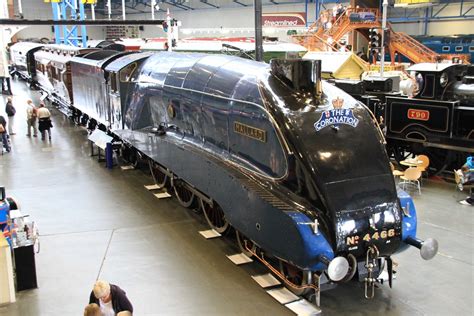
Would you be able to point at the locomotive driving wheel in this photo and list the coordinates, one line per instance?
(159, 176)
(296, 276)
(215, 217)
(130, 155)
(245, 244)
(184, 195)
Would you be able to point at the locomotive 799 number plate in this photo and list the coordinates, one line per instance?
(384, 234)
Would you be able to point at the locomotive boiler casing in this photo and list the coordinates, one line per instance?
(243, 136)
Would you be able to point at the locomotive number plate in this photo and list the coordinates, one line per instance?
(384, 234)
(420, 115)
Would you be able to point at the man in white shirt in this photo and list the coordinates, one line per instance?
(31, 118)
(44, 125)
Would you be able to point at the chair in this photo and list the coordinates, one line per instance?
(425, 163)
(411, 176)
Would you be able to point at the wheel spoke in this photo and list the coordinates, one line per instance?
(160, 177)
(185, 196)
(215, 217)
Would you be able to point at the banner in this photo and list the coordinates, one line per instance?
(286, 19)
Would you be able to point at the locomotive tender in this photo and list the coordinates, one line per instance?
(294, 164)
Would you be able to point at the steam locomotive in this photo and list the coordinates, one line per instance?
(295, 165)
(431, 113)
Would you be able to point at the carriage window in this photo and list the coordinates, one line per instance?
(127, 72)
(459, 48)
(54, 73)
(113, 82)
(446, 48)
(471, 49)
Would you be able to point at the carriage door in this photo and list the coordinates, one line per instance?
(115, 114)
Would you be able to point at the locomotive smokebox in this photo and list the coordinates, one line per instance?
(301, 75)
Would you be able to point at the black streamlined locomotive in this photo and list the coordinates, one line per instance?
(294, 164)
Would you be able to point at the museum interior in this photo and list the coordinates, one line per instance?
(236, 157)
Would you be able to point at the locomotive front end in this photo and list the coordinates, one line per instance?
(341, 167)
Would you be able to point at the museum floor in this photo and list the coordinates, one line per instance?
(100, 223)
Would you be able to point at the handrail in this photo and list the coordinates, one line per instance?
(399, 41)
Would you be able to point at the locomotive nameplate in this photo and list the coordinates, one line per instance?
(250, 131)
(420, 115)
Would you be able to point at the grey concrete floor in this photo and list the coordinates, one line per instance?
(99, 223)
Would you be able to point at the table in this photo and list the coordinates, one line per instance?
(411, 162)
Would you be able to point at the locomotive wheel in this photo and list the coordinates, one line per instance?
(160, 178)
(130, 155)
(245, 243)
(215, 217)
(295, 276)
(184, 195)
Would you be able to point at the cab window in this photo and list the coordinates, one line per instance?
(127, 72)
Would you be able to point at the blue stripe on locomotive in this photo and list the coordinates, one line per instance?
(316, 245)
(409, 223)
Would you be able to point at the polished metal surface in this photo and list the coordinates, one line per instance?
(103, 223)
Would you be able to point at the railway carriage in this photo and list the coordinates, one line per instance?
(53, 70)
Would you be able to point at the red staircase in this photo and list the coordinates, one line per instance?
(412, 49)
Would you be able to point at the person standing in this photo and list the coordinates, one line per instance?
(111, 298)
(467, 178)
(31, 114)
(44, 123)
(3, 133)
(11, 111)
(6, 85)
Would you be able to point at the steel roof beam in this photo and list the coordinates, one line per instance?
(242, 4)
(210, 4)
(79, 22)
